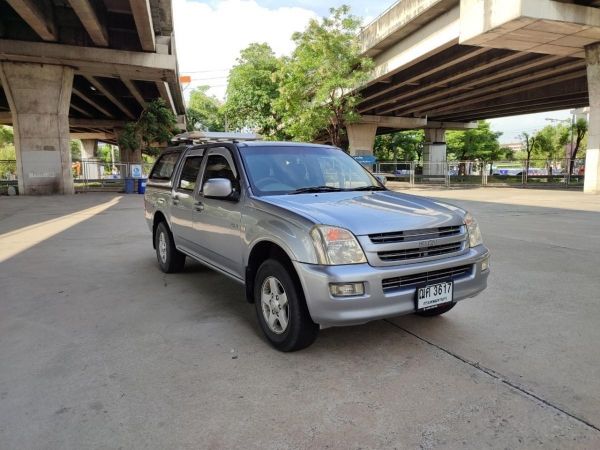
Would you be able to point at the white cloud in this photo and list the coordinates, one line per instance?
(209, 37)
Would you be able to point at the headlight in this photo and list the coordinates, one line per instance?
(336, 246)
(475, 238)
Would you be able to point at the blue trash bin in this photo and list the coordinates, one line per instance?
(142, 185)
(129, 185)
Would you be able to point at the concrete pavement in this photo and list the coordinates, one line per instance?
(99, 349)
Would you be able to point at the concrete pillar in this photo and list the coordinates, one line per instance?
(361, 137)
(434, 152)
(592, 158)
(89, 148)
(39, 96)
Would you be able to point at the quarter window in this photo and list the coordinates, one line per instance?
(163, 169)
(189, 173)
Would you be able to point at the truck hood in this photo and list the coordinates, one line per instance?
(370, 212)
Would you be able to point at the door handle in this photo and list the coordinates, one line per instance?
(198, 206)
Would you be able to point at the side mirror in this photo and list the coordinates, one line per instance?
(217, 188)
(382, 179)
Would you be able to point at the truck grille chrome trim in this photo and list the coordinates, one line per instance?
(415, 253)
(407, 281)
(416, 235)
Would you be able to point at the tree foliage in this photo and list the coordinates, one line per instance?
(400, 146)
(252, 90)
(204, 111)
(155, 125)
(477, 143)
(316, 81)
(6, 135)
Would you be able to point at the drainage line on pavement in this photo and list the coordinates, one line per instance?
(498, 377)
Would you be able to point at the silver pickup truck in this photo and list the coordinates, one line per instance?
(317, 240)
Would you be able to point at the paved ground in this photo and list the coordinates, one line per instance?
(98, 349)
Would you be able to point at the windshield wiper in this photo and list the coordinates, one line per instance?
(311, 189)
(367, 188)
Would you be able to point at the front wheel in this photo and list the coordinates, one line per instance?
(169, 258)
(436, 311)
(281, 309)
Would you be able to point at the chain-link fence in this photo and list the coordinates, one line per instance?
(556, 173)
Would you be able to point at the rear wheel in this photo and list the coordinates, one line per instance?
(436, 311)
(281, 309)
(169, 258)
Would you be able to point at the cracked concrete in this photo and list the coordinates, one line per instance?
(99, 350)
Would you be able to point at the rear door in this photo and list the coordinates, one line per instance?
(183, 201)
(217, 222)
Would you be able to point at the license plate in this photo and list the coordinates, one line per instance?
(434, 295)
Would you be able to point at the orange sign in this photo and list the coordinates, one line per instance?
(185, 79)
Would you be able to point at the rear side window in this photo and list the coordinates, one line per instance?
(189, 173)
(163, 169)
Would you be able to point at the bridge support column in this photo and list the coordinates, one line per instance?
(39, 96)
(361, 137)
(592, 159)
(89, 147)
(434, 152)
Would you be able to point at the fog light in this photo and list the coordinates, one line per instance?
(485, 264)
(346, 289)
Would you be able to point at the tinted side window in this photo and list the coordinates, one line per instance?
(163, 169)
(217, 166)
(189, 173)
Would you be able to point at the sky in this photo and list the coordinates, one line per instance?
(209, 35)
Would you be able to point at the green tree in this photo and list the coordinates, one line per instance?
(155, 125)
(252, 89)
(579, 132)
(204, 111)
(6, 135)
(402, 145)
(530, 145)
(75, 146)
(477, 143)
(317, 80)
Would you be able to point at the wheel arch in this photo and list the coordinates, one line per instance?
(158, 218)
(259, 253)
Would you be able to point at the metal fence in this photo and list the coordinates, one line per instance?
(8, 176)
(98, 175)
(556, 173)
(88, 175)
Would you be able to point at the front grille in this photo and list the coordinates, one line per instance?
(415, 253)
(415, 235)
(406, 281)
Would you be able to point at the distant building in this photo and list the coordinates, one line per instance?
(513, 146)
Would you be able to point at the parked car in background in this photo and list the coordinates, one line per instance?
(316, 239)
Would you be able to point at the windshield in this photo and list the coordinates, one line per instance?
(275, 170)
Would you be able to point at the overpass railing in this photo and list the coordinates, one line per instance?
(541, 173)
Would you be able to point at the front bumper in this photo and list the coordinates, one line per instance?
(376, 303)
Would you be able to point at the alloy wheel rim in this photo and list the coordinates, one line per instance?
(274, 305)
(162, 247)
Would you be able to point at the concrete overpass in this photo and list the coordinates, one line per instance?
(80, 69)
(451, 62)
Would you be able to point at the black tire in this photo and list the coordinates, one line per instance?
(300, 331)
(436, 311)
(172, 260)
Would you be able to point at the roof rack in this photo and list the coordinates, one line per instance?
(211, 136)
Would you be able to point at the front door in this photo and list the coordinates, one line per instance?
(183, 206)
(217, 225)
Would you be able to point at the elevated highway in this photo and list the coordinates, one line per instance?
(452, 62)
(80, 69)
